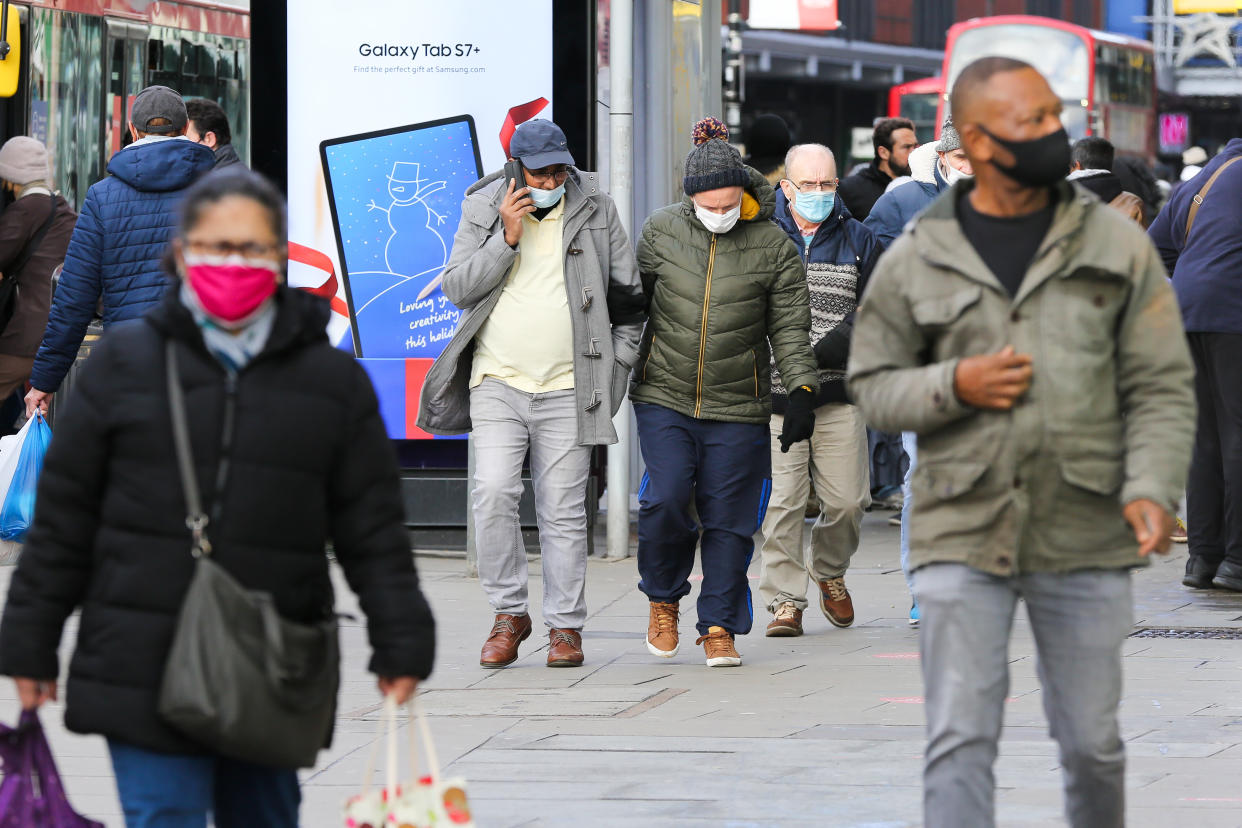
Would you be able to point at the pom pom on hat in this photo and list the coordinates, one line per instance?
(707, 129)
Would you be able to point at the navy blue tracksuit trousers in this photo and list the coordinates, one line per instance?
(727, 467)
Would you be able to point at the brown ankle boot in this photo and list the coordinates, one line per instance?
(501, 647)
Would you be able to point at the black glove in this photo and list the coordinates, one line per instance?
(833, 349)
(799, 418)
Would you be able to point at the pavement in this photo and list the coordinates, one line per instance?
(824, 730)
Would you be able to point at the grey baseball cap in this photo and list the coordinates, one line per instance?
(158, 102)
(538, 144)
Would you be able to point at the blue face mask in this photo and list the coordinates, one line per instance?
(546, 198)
(814, 207)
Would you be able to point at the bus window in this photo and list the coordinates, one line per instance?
(1060, 56)
(66, 109)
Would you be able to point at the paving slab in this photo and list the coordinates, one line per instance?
(823, 730)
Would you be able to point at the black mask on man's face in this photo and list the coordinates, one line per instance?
(1040, 162)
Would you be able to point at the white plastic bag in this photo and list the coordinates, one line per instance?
(10, 451)
(427, 802)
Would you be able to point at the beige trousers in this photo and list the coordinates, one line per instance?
(836, 456)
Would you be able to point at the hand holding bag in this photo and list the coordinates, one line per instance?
(427, 802)
(31, 795)
(240, 680)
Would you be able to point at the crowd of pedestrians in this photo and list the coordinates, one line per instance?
(990, 297)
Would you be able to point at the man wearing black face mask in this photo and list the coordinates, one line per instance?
(1026, 332)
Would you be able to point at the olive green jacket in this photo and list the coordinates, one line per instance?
(716, 302)
(1110, 414)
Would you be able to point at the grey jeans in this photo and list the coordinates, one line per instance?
(506, 423)
(1079, 620)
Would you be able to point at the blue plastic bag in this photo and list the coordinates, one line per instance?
(19, 501)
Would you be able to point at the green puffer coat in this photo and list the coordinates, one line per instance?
(716, 302)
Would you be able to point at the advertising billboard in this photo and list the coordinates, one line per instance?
(394, 110)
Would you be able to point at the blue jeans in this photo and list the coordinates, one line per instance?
(909, 442)
(163, 790)
(727, 469)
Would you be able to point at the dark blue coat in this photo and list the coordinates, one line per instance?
(838, 262)
(1207, 269)
(898, 206)
(116, 248)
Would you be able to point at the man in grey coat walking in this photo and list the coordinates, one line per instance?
(552, 313)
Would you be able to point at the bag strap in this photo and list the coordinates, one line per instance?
(1202, 194)
(195, 519)
(23, 258)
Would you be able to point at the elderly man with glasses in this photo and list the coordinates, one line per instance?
(553, 310)
(838, 254)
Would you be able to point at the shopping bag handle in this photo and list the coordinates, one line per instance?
(388, 730)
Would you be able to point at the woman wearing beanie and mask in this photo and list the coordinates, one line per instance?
(291, 452)
(723, 282)
(34, 234)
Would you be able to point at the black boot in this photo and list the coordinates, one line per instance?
(1228, 576)
(1199, 573)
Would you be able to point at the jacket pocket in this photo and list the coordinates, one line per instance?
(754, 361)
(620, 379)
(647, 361)
(1098, 475)
(939, 311)
(948, 481)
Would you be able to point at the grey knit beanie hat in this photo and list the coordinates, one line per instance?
(949, 139)
(23, 160)
(713, 163)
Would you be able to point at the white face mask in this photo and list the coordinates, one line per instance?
(718, 222)
(952, 174)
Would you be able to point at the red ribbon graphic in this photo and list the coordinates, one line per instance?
(313, 258)
(519, 115)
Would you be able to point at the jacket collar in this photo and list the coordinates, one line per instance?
(762, 200)
(301, 319)
(939, 240)
(581, 190)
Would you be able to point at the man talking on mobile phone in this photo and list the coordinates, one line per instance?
(552, 313)
(1027, 333)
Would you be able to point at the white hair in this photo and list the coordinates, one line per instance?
(797, 148)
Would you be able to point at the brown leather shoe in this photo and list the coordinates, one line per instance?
(719, 649)
(501, 647)
(787, 623)
(564, 648)
(662, 638)
(834, 600)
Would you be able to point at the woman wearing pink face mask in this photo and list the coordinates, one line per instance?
(290, 452)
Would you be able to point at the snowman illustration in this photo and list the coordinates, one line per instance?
(416, 248)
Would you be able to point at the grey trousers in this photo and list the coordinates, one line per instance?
(836, 455)
(1079, 621)
(506, 423)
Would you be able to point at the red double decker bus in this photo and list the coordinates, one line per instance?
(919, 100)
(1106, 82)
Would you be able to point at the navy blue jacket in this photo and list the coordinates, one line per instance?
(115, 251)
(1207, 269)
(838, 264)
(894, 210)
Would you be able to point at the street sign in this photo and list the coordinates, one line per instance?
(801, 15)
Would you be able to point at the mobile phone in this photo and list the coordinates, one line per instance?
(513, 172)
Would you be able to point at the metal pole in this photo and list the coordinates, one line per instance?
(734, 71)
(621, 188)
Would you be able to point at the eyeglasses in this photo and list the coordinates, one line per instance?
(557, 174)
(249, 250)
(829, 186)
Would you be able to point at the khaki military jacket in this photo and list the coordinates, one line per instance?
(1110, 414)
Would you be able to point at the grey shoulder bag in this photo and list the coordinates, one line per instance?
(240, 680)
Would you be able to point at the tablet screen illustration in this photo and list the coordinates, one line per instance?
(396, 198)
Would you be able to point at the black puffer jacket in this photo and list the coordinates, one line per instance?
(310, 462)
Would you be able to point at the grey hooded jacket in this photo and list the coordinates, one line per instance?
(606, 304)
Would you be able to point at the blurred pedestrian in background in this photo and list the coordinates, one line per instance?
(291, 454)
(209, 126)
(767, 141)
(34, 234)
(1199, 235)
(126, 221)
(893, 140)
